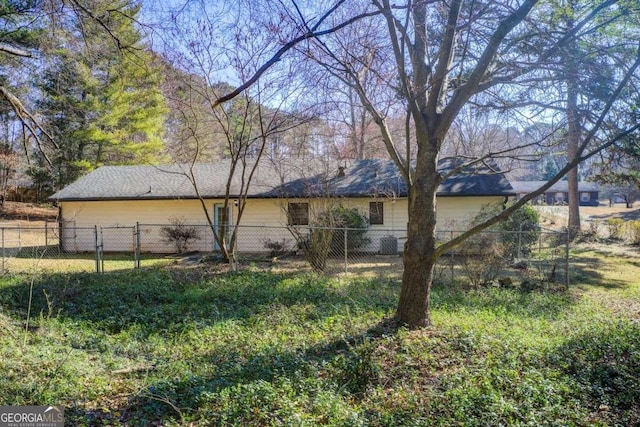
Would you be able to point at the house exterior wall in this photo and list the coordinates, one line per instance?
(263, 221)
(551, 198)
(589, 198)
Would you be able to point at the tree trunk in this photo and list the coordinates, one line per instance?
(573, 137)
(573, 142)
(419, 250)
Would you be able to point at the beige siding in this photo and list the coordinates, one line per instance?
(264, 221)
(455, 213)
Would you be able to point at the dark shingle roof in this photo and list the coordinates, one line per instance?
(363, 178)
(381, 178)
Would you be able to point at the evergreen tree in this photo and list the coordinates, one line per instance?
(103, 102)
(550, 170)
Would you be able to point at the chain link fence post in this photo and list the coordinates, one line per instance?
(452, 256)
(520, 242)
(3, 252)
(136, 249)
(346, 254)
(566, 258)
(101, 250)
(97, 254)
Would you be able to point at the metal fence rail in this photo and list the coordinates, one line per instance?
(527, 256)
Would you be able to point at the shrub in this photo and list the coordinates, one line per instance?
(633, 232)
(357, 224)
(616, 228)
(277, 247)
(522, 231)
(518, 233)
(179, 234)
(482, 258)
(327, 235)
(485, 254)
(592, 232)
(316, 247)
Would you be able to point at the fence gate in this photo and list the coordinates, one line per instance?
(116, 248)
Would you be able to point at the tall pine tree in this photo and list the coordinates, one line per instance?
(102, 100)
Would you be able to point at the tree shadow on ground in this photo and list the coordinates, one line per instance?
(167, 301)
(628, 215)
(604, 362)
(161, 300)
(255, 381)
(587, 269)
(158, 300)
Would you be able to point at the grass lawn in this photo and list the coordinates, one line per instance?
(167, 346)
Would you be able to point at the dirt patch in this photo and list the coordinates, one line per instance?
(16, 211)
(601, 213)
(611, 248)
(555, 217)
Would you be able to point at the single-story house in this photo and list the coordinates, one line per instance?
(291, 194)
(558, 193)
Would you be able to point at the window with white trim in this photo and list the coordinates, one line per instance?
(376, 213)
(298, 214)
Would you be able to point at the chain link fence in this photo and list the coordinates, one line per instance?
(526, 257)
(531, 258)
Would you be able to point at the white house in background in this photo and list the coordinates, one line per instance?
(117, 198)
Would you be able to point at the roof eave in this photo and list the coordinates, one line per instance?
(293, 196)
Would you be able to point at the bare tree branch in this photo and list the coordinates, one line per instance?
(28, 121)
(464, 92)
(15, 51)
(445, 56)
(580, 157)
(287, 47)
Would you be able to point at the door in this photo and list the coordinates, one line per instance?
(222, 224)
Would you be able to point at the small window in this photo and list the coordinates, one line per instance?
(559, 197)
(585, 197)
(376, 213)
(298, 214)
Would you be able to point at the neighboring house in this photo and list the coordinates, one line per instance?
(281, 196)
(558, 193)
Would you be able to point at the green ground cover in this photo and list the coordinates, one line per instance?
(168, 346)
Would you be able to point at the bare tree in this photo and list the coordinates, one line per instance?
(241, 130)
(431, 59)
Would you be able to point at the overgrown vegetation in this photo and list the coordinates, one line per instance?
(189, 347)
(627, 231)
(351, 231)
(485, 255)
(521, 231)
(332, 232)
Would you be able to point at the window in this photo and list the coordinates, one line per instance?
(585, 197)
(298, 214)
(559, 197)
(376, 213)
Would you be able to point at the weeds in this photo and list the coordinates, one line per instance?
(616, 228)
(633, 232)
(162, 347)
